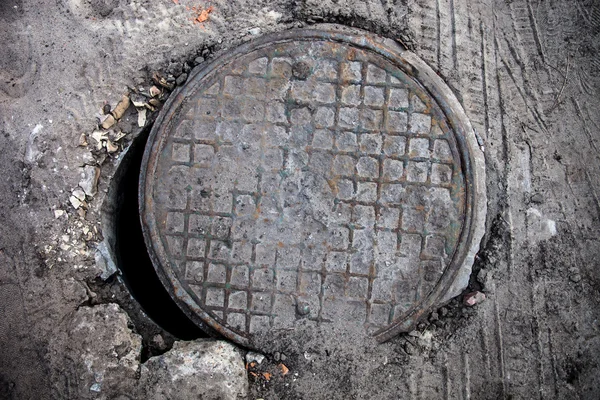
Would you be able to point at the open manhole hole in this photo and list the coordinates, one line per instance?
(312, 179)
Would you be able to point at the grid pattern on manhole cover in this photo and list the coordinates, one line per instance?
(307, 179)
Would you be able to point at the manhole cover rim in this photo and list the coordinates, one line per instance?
(456, 272)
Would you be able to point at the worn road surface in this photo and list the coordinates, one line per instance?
(527, 73)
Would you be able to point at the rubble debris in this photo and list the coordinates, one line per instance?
(108, 122)
(121, 107)
(195, 369)
(254, 357)
(161, 81)
(254, 31)
(284, 370)
(155, 91)
(89, 181)
(58, 213)
(473, 298)
(82, 140)
(111, 147)
(202, 14)
(181, 79)
(141, 117)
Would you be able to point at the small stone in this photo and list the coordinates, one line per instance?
(80, 194)
(434, 317)
(111, 147)
(75, 202)
(252, 356)
(89, 181)
(59, 213)
(205, 52)
(473, 298)
(181, 79)
(186, 68)
(159, 342)
(303, 308)
(198, 60)
(254, 31)
(277, 356)
(83, 140)
(154, 91)
(106, 108)
(443, 311)
(283, 357)
(175, 68)
(409, 348)
(95, 388)
(108, 121)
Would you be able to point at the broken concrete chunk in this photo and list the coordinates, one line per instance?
(99, 349)
(58, 213)
(111, 147)
(141, 117)
(197, 369)
(254, 357)
(89, 181)
(108, 122)
(473, 298)
(155, 91)
(75, 202)
(121, 107)
(82, 140)
(80, 194)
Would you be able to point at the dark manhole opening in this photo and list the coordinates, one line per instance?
(131, 255)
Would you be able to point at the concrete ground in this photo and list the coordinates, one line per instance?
(527, 73)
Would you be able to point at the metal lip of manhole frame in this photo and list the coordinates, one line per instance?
(455, 275)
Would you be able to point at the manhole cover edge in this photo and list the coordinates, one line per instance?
(428, 79)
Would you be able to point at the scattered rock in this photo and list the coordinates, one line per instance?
(99, 352)
(121, 107)
(111, 147)
(155, 91)
(251, 356)
(58, 213)
(198, 60)
(175, 68)
(254, 31)
(141, 117)
(82, 140)
(181, 79)
(159, 342)
(201, 369)
(89, 180)
(108, 122)
(473, 298)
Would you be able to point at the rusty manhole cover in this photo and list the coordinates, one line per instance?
(312, 176)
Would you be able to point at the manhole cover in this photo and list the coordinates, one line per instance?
(311, 176)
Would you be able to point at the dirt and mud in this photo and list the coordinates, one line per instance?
(528, 76)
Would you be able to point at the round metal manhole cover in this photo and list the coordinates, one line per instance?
(310, 177)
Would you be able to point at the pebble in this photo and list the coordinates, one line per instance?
(58, 213)
(473, 298)
(181, 79)
(251, 356)
(198, 60)
(254, 31)
(89, 180)
(175, 68)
